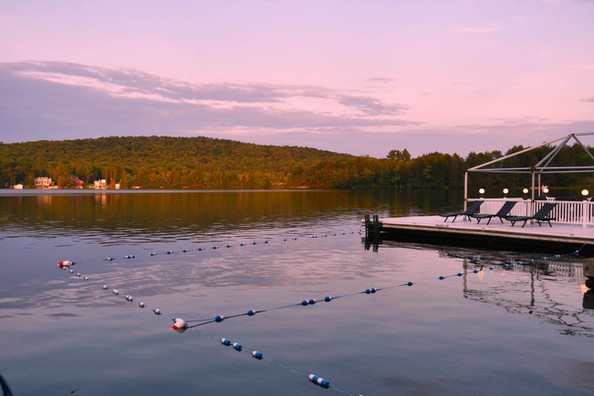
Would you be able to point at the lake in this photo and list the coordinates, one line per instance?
(497, 323)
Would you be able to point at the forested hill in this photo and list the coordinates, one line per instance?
(207, 163)
(157, 162)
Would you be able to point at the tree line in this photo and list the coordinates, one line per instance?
(208, 163)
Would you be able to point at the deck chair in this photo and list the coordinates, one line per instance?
(472, 208)
(501, 213)
(541, 215)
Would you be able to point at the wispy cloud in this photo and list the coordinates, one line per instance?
(590, 99)
(58, 96)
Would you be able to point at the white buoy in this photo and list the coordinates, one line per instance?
(115, 291)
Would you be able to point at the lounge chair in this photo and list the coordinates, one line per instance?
(541, 215)
(472, 208)
(501, 213)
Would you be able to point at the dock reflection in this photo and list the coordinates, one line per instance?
(529, 284)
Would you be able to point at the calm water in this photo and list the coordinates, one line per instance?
(519, 330)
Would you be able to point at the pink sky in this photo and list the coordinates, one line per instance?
(361, 77)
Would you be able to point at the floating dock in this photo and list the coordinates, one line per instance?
(560, 238)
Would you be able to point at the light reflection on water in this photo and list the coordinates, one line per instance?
(500, 331)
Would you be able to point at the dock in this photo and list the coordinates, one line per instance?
(560, 238)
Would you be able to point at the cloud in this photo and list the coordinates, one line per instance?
(372, 106)
(590, 99)
(58, 100)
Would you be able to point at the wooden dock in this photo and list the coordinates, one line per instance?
(560, 238)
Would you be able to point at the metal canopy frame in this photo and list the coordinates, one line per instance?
(540, 168)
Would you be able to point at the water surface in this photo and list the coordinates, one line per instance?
(504, 329)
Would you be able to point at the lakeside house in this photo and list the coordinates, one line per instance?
(43, 182)
(100, 184)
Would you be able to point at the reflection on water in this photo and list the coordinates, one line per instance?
(127, 216)
(528, 284)
(506, 330)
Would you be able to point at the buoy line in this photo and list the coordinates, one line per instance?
(229, 245)
(180, 325)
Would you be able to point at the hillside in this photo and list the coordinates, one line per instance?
(207, 163)
(157, 162)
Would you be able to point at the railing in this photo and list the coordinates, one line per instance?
(568, 212)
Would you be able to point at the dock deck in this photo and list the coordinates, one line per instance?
(559, 238)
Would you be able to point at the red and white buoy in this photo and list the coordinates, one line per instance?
(65, 264)
(179, 325)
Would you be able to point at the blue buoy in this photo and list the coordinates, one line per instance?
(257, 355)
(214, 247)
(312, 301)
(491, 268)
(241, 244)
(219, 318)
(441, 277)
(225, 342)
(199, 249)
(409, 283)
(153, 254)
(370, 291)
(169, 252)
(304, 303)
(265, 241)
(186, 250)
(459, 274)
(251, 312)
(237, 346)
(328, 298)
(228, 246)
(254, 243)
(475, 271)
(316, 379)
